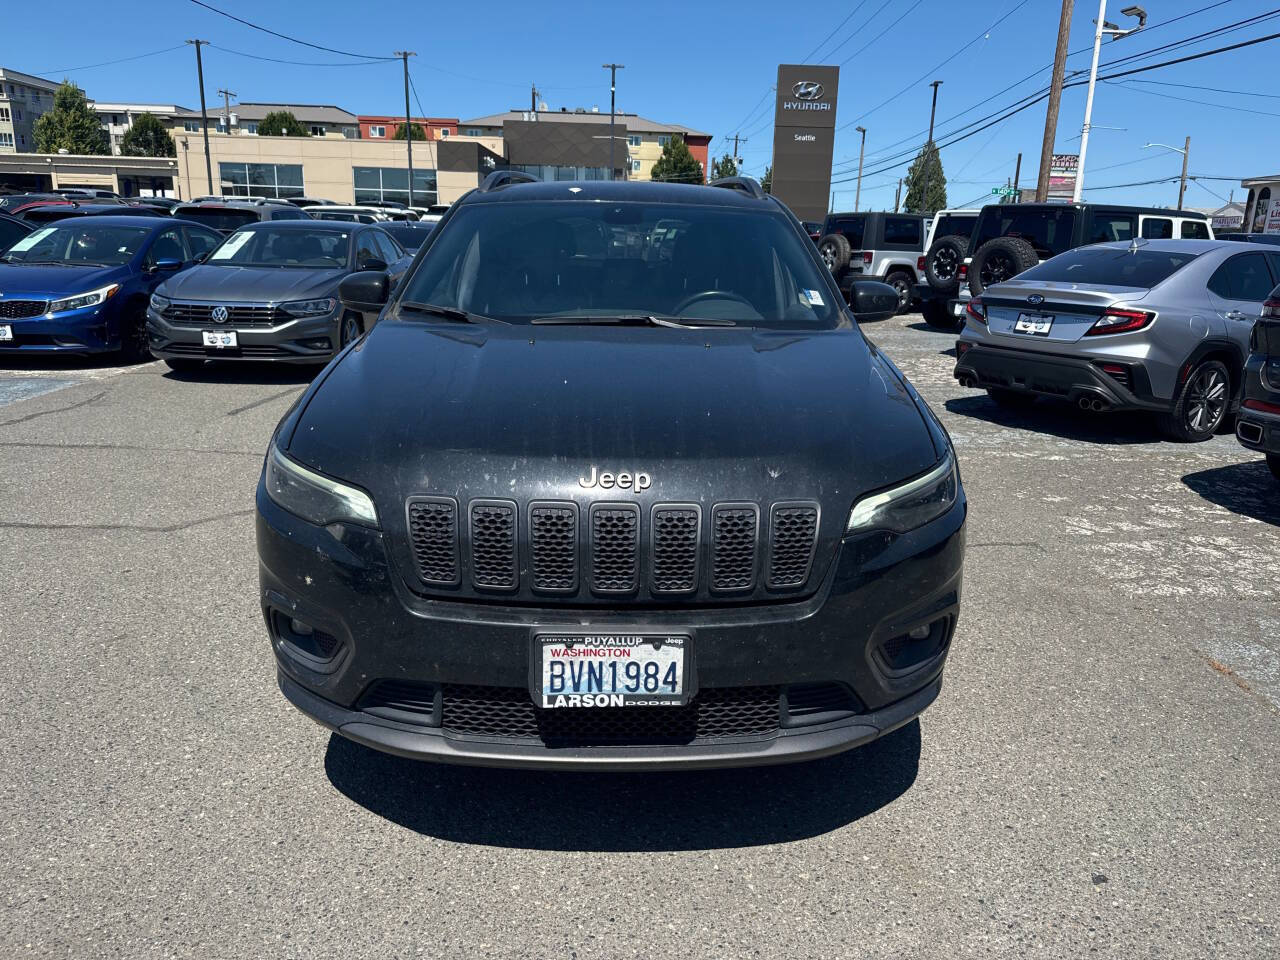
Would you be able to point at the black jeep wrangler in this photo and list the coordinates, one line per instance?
(615, 482)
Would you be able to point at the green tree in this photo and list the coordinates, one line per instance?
(281, 123)
(766, 182)
(677, 164)
(419, 132)
(70, 125)
(916, 202)
(147, 137)
(724, 167)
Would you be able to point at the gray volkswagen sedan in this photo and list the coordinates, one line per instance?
(269, 291)
(1161, 326)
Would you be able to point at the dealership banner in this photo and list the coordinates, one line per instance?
(1062, 174)
(804, 137)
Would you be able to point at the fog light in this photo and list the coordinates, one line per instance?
(919, 633)
(305, 629)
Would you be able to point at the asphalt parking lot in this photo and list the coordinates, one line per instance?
(1101, 775)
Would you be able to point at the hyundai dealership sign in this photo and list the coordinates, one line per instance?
(803, 138)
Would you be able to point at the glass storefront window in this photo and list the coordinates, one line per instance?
(391, 184)
(277, 180)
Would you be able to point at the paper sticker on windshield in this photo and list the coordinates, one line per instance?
(231, 246)
(30, 240)
(812, 297)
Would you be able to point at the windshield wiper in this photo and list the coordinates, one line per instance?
(636, 319)
(448, 313)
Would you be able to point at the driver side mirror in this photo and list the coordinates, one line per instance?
(365, 290)
(373, 263)
(166, 266)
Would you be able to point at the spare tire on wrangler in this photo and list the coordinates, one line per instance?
(835, 251)
(942, 264)
(998, 260)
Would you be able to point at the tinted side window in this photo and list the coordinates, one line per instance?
(365, 250)
(201, 241)
(1243, 277)
(10, 233)
(1195, 230)
(390, 252)
(852, 228)
(902, 230)
(1157, 228)
(1107, 227)
(167, 246)
(1047, 230)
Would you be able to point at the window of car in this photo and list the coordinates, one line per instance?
(1109, 227)
(904, 231)
(853, 229)
(1195, 230)
(410, 236)
(79, 241)
(1110, 267)
(1157, 228)
(388, 250)
(220, 218)
(366, 249)
(1047, 229)
(570, 259)
(200, 242)
(954, 225)
(168, 245)
(10, 232)
(1243, 277)
(283, 247)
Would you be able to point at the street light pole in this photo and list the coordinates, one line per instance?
(857, 197)
(928, 149)
(613, 69)
(1112, 30)
(1186, 153)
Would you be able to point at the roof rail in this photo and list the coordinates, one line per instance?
(505, 178)
(748, 185)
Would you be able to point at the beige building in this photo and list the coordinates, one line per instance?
(23, 98)
(129, 176)
(118, 118)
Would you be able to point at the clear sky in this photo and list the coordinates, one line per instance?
(711, 66)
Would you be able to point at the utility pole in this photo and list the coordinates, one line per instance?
(204, 114)
(1182, 188)
(928, 149)
(897, 197)
(1055, 100)
(737, 164)
(533, 99)
(1017, 177)
(408, 118)
(226, 107)
(613, 69)
(857, 197)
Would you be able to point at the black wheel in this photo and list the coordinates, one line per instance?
(134, 346)
(943, 262)
(183, 364)
(1273, 461)
(350, 329)
(1201, 405)
(937, 315)
(999, 259)
(902, 282)
(834, 250)
(1011, 399)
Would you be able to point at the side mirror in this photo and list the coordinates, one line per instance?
(373, 263)
(366, 290)
(167, 266)
(871, 301)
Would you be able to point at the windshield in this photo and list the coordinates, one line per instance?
(410, 235)
(217, 217)
(79, 241)
(289, 247)
(1047, 230)
(522, 261)
(1110, 267)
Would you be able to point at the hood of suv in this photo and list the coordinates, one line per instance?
(529, 413)
(228, 284)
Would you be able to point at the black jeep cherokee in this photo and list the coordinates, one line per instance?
(615, 482)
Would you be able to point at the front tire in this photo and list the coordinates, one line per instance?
(938, 316)
(349, 330)
(134, 345)
(1201, 405)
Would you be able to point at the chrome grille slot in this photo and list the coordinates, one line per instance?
(240, 314)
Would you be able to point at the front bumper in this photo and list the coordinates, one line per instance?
(877, 589)
(84, 331)
(307, 340)
(1077, 381)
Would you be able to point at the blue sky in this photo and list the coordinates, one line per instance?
(711, 66)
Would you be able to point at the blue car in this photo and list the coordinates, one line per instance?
(81, 285)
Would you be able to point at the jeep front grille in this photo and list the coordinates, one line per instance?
(433, 535)
(792, 531)
(733, 546)
(615, 547)
(553, 547)
(493, 544)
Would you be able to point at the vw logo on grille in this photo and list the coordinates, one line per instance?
(807, 90)
(219, 315)
(1035, 299)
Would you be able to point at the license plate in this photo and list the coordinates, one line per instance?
(6, 331)
(610, 670)
(220, 339)
(1034, 324)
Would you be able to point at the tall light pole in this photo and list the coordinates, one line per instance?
(857, 197)
(1186, 152)
(924, 197)
(204, 114)
(613, 69)
(408, 119)
(1113, 31)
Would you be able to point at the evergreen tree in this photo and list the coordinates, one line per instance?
(281, 123)
(147, 137)
(767, 180)
(677, 164)
(724, 167)
(419, 132)
(916, 202)
(70, 125)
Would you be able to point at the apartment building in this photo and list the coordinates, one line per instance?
(23, 98)
(118, 118)
(384, 128)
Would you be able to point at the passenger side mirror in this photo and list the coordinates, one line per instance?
(366, 290)
(872, 301)
(373, 263)
(167, 266)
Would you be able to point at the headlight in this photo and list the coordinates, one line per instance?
(314, 497)
(90, 299)
(911, 505)
(158, 303)
(309, 308)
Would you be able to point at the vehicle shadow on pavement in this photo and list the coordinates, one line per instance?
(1060, 420)
(267, 374)
(627, 812)
(53, 362)
(1248, 489)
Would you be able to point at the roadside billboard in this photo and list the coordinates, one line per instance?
(804, 137)
(1062, 175)
(1273, 218)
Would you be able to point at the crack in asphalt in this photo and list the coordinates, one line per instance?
(44, 413)
(258, 403)
(132, 527)
(1010, 543)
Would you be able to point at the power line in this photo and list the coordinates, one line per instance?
(1196, 86)
(1125, 85)
(108, 63)
(299, 63)
(285, 36)
(893, 23)
(860, 5)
